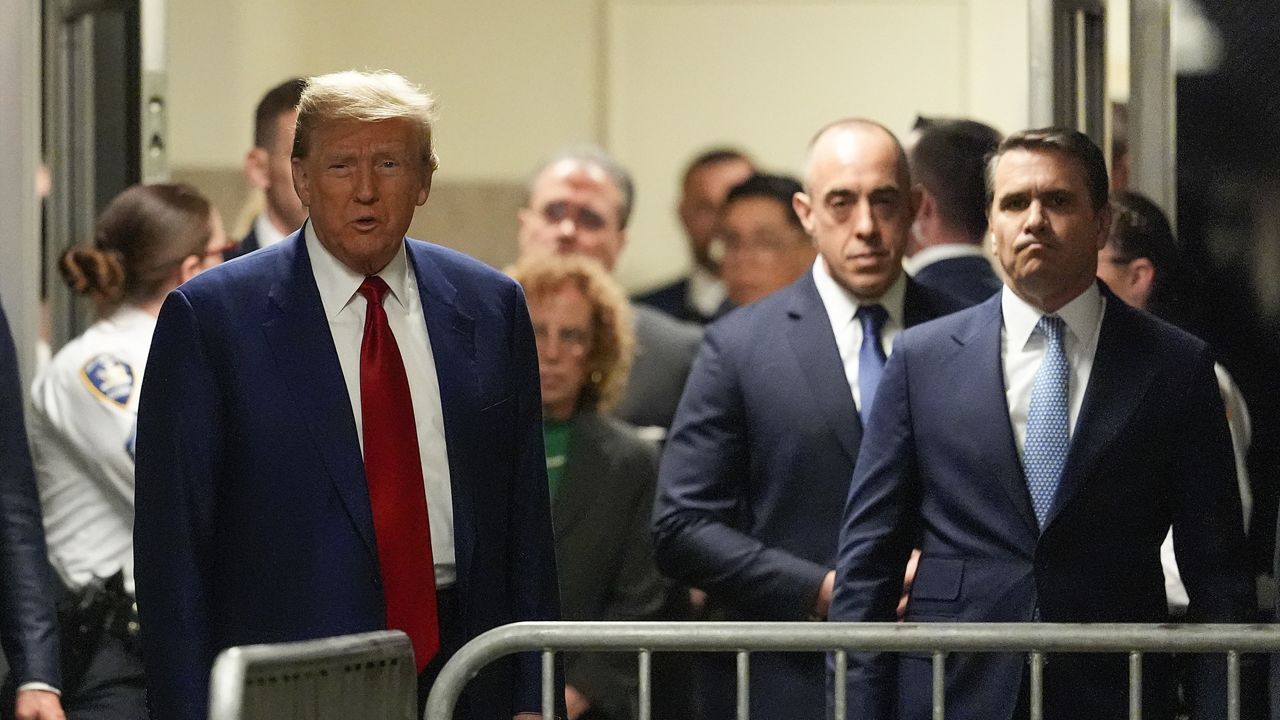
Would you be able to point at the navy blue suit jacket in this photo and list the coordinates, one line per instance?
(756, 469)
(940, 471)
(28, 624)
(968, 278)
(253, 517)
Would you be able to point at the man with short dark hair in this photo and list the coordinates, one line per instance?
(580, 202)
(757, 464)
(948, 161)
(765, 245)
(268, 170)
(1036, 448)
(698, 296)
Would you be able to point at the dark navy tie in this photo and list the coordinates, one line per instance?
(870, 356)
(1048, 420)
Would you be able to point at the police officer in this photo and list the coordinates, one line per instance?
(149, 240)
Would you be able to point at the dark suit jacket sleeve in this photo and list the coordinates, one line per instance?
(877, 534)
(702, 483)
(177, 452)
(1208, 538)
(534, 593)
(28, 625)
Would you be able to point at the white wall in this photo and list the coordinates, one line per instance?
(655, 80)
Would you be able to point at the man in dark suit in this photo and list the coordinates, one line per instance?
(342, 433)
(1036, 448)
(758, 462)
(579, 202)
(948, 160)
(28, 622)
(698, 296)
(269, 170)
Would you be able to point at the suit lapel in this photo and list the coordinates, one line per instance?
(302, 343)
(581, 482)
(1120, 378)
(981, 392)
(452, 335)
(816, 354)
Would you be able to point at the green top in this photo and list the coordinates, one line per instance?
(556, 435)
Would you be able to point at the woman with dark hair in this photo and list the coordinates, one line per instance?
(148, 240)
(601, 473)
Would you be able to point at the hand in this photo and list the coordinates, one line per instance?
(908, 578)
(697, 599)
(38, 705)
(823, 601)
(576, 703)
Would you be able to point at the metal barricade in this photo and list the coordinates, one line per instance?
(1034, 639)
(369, 676)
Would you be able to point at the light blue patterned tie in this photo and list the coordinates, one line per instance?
(870, 356)
(1048, 433)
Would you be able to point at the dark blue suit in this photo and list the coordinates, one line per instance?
(28, 624)
(246, 246)
(673, 299)
(253, 517)
(754, 474)
(940, 471)
(968, 278)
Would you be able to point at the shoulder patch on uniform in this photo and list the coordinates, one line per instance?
(110, 378)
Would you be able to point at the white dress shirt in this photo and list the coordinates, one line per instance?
(1022, 349)
(935, 253)
(841, 307)
(344, 307)
(706, 292)
(265, 231)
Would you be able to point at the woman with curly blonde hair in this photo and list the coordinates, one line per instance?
(601, 473)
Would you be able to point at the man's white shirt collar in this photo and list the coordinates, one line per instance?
(339, 284)
(1083, 316)
(841, 304)
(265, 231)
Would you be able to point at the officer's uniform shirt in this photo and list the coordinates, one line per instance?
(83, 421)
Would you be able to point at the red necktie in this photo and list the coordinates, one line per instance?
(393, 470)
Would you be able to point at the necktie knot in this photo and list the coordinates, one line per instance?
(374, 289)
(873, 318)
(1051, 327)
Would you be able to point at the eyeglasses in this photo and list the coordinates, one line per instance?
(583, 217)
(574, 341)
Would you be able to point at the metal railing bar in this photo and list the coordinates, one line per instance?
(548, 684)
(939, 685)
(1233, 685)
(1037, 685)
(1135, 685)
(744, 685)
(841, 687)
(645, 690)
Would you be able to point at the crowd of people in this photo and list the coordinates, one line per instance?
(939, 380)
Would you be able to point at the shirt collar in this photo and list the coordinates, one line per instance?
(841, 304)
(338, 284)
(266, 231)
(1081, 315)
(934, 253)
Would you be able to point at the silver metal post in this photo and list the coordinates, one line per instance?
(841, 684)
(1233, 685)
(1037, 685)
(548, 683)
(744, 685)
(939, 685)
(1135, 685)
(645, 690)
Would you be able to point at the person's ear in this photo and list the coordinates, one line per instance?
(255, 168)
(1142, 278)
(190, 267)
(803, 205)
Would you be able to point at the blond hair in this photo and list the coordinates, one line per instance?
(613, 337)
(367, 97)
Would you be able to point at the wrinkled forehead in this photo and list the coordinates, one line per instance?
(859, 148)
(1041, 167)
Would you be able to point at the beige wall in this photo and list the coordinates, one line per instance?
(654, 81)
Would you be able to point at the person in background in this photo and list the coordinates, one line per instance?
(698, 296)
(1142, 264)
(948, 159)
(600, 471)
(268, 168)
(579, 203)
(765, 245)
(149, 240)
(757, 466)
(28, 622)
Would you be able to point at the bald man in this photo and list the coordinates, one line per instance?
(757, 465)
